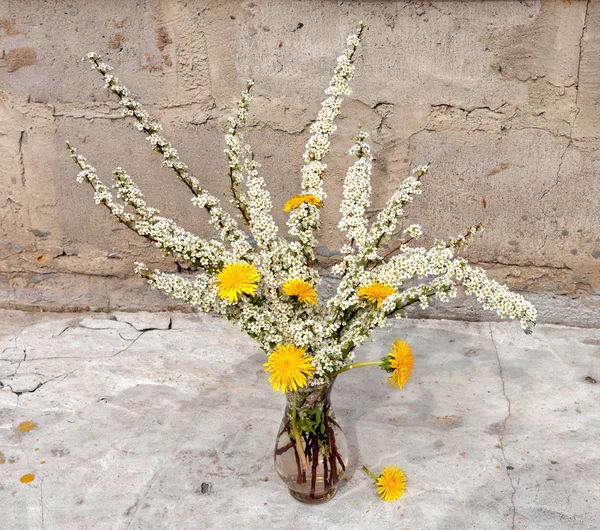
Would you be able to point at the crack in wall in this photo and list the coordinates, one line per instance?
(503, 429)
(545, 192)
(522, 266)
(142, 332)
(585, 19)
(383, 109)
(560, 164)
(111, 112)
(468, 110)
(21, 163)
(572, 126)
(20, 156)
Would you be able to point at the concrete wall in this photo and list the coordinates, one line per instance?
(501, 97)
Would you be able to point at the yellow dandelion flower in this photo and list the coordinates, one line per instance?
(298, 200)
(237, 278)
(391, 484)
(376, 292)
(302, 290)
(289, 368)
(401, 361)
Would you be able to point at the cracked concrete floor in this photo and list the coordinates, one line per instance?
(139, 421)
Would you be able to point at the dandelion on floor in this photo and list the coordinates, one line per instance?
(391, 483)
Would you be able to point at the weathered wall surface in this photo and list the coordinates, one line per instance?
(500, 97)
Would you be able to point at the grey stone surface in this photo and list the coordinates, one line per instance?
(175, 428)
(501, 98)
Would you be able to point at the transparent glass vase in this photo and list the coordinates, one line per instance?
(311, 452)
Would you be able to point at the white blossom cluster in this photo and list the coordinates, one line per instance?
(494, 296)
(260, 219)
(305, 220)
(357, 193)
(414, 231)
(199, 291)
(378, 278)
(387, 220)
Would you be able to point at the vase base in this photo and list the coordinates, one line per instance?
(316, 499)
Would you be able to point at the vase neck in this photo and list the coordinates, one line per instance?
(310, 396)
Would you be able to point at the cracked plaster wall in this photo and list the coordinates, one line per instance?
(500, 97)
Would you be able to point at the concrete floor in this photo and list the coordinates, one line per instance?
(143, 421)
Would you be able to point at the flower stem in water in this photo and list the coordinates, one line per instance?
(297, 435)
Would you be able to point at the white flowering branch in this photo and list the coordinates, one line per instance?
(234, 140)
(168, 236)
(102, 194)
(165, 233)
(304, 221)
(226, 225)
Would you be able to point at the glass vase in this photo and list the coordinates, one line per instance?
(311, 452)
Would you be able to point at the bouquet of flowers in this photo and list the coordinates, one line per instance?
(268, 285)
